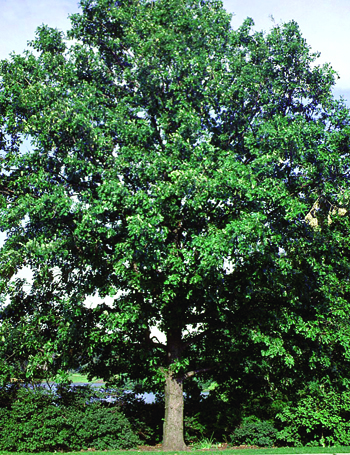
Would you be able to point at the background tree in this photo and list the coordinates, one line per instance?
(172, 164)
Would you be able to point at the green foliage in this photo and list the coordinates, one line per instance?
(146, 419)
(321, 416)
(254, 432)
(197, 175)
(194, 428)
(39, 421)
(209, 418)
(205, 443)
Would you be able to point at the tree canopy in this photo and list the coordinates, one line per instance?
(174, 165)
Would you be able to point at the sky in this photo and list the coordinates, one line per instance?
(324, 24)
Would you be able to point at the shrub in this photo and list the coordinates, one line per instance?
(254, 432)
(194, 429)
(320, 417)
(209, 418)
(36, 422)
(102, 428)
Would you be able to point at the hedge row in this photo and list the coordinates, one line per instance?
(40, 420)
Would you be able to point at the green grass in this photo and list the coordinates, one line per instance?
(280, 451)
(292, 450)
(76, 377)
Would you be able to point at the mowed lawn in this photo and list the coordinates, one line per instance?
(279, 451)
(82, 378)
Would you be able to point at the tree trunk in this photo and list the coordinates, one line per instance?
(173, 434)
(173, 430)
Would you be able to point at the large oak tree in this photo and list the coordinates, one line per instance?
(173, 164)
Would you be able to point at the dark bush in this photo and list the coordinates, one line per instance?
(36, 422)
(103, 428)
(146, 419)
(254, 432)
(209, 417)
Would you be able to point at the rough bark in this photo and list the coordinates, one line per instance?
(173, 434)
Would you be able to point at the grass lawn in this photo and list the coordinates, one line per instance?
(280, 451)
(292, 450)
(76, 378)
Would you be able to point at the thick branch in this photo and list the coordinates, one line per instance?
(189, 374)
